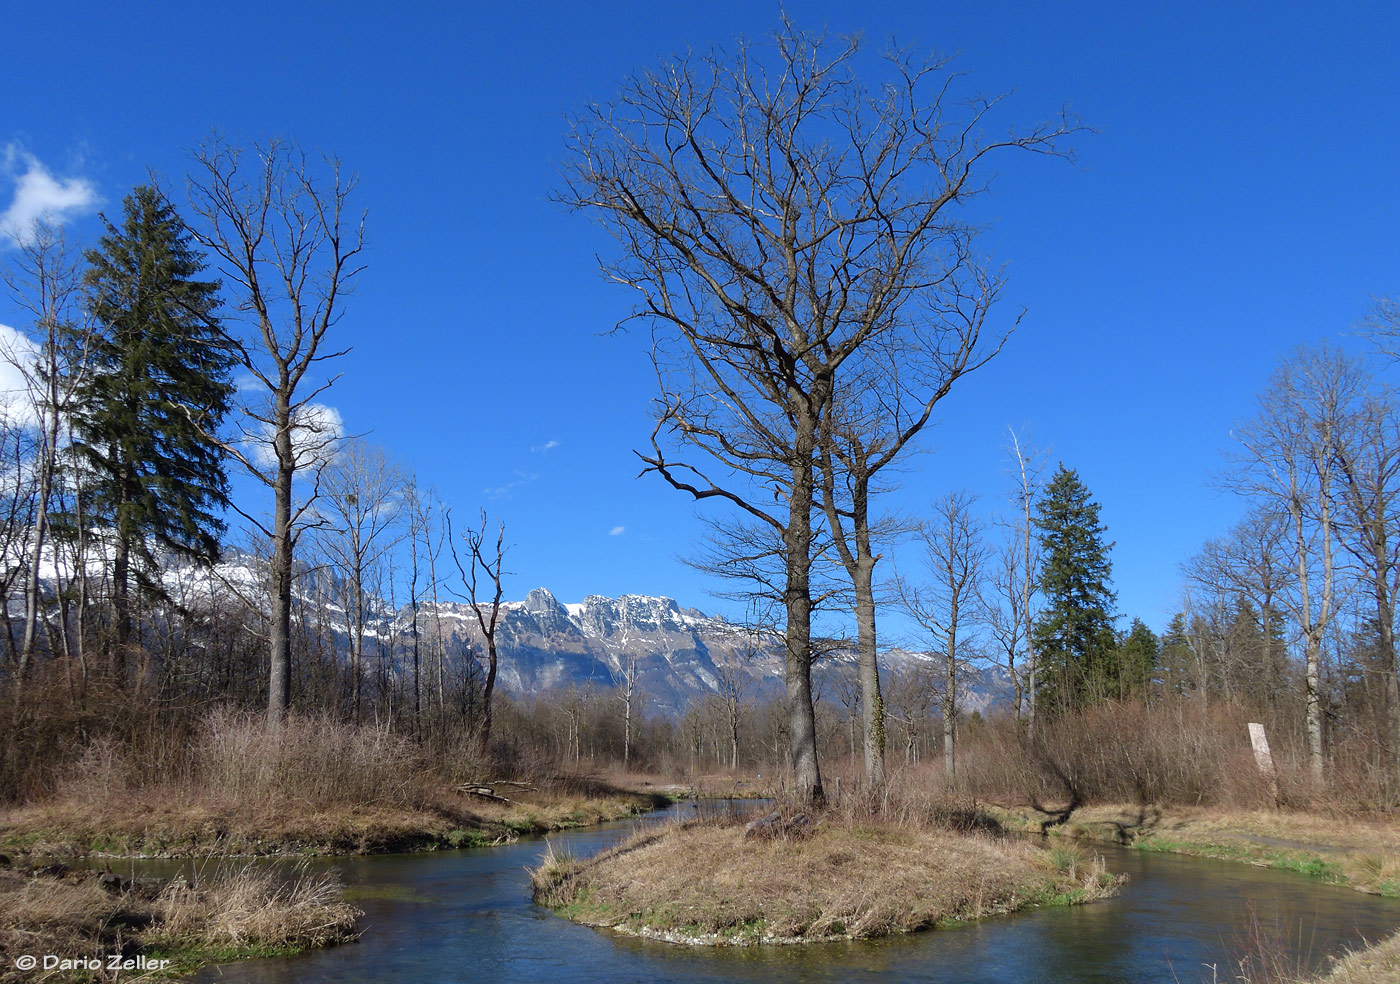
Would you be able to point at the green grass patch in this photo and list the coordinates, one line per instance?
(1302, 862)
(186, 959)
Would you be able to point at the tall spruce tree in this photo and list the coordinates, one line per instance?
(1075, 643)
(1138, 655)
(159, 381)
(1175, 660)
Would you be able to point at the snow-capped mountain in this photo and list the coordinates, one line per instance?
(679, 653)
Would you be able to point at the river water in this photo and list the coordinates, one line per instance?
(466, 916)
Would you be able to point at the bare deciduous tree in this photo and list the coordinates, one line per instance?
(364, 493)
(427, 536)
(1368, 457)
(1251, 563)
(1288, 458)
(1008, 599)
(1382, 326)
(948, 607)
(483, 562)
(734, 678)
(775, 218)
(46, 282)
(287, 247)
(629, 694)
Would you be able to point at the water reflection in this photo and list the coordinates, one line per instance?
(466, 916)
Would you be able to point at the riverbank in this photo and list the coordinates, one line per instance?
(239, 912)
(707, 883)
(1379, 964)
(1361, 853)
(153, 824)
(77, 925)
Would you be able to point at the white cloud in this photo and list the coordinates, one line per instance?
(521, 478)
(316, 430)
(617, 531)
(39, 196)
(546, 446)
(17, 355)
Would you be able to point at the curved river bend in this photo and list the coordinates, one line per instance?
(467, 916)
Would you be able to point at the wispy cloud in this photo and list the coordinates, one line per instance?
(316, 430)
(17, 358)
(499, 491)
(549, 445)
(39, 196)
(617, 531)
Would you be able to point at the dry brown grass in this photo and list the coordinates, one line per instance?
(704, 882)
(1229, 826)
(253, 906)
(1363, 853)
(48, 915)
(317, 785)
(147, 825)
(235, 913)
(1379, 964)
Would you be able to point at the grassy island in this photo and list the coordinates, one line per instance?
(705, 882)
(96, 928)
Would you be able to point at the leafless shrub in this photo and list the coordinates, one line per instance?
(313, 758)
(1176, 751)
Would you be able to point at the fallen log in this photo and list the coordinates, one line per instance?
(485, 792)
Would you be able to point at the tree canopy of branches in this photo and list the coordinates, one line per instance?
(950, 604)
(46, 281)
(778, 221)
(364, 492)
(280, 230)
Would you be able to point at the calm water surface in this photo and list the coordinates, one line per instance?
(467, 916)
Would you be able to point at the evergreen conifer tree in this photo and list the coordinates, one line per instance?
(1074, 639)
(159, 373)
(1175, 658)
(1137, 661)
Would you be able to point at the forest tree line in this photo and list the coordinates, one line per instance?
(803, 255)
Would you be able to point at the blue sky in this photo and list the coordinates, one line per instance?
(1238, 198)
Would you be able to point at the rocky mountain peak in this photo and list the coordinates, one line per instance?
(601, 616)
(546, 611)
(540, 602)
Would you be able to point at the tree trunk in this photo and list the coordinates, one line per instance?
(797, 663)
(1385, 621)
(279, 689)
(487, 691)
(733, 738)
(121, 608)
(627, 725)
(357, 638)
(33, 593)
(950, 705)
(860, 567)
(1313, 702)
(872, 701)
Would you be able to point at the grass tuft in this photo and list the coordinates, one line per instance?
(227, 915)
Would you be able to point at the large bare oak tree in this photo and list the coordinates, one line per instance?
(776, 218)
